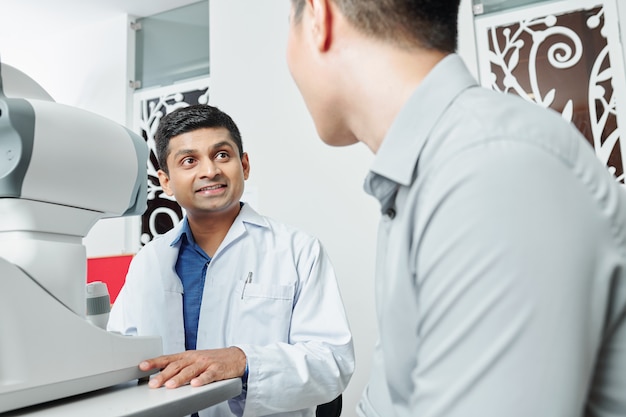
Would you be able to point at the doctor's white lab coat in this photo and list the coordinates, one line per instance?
(289, 319)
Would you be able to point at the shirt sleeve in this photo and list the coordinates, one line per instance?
(120, 317)
(511, 294)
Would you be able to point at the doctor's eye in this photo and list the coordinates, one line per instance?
(188, 161)
(222, 155)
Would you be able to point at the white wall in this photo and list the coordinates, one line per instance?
(84, 66)
(466, 42)
(300, 180)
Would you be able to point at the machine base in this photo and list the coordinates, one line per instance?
(49, 352)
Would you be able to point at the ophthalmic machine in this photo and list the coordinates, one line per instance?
(61, 170)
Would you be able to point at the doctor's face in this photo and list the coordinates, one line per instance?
(206, 175)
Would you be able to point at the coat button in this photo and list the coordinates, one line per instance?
(391, 213)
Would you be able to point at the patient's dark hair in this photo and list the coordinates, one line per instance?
(430, 24)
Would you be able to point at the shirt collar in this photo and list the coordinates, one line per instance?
(183, 230)
(399, 152)
(246, 215)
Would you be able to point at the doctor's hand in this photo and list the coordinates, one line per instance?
(197, 367)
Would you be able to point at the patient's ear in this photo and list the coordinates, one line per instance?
(322, 14)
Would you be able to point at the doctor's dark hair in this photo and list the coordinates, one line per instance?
(188, 119)
(430, 24)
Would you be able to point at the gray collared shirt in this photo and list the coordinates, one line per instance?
(500, 277)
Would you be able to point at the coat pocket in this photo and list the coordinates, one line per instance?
(263, 314)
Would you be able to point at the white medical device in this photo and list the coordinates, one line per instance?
(61, 169)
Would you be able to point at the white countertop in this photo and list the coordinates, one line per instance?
(136, 400)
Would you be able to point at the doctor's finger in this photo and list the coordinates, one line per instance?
(159, 362)
(180, 376)
(172, 372)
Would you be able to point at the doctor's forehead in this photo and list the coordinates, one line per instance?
(202, 140)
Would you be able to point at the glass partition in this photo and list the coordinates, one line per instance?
(490, 6)
(173, 45)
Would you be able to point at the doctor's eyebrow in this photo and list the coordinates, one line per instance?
(215, 147)
(223, 144)
(185, 152)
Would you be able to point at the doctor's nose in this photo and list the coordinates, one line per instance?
(209, 169)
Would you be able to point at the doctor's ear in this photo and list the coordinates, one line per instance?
(164, 180)
(245, 164)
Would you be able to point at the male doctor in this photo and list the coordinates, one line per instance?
(233, 293)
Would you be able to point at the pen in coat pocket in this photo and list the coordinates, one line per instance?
(246, 282)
